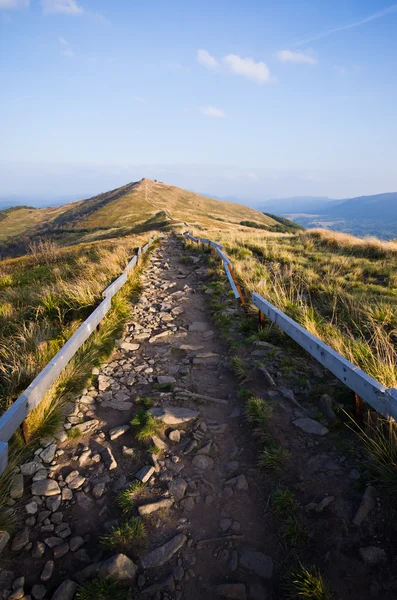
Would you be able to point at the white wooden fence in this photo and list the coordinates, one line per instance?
(382, 399)
(35, 392)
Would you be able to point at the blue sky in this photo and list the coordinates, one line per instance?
(253, 99)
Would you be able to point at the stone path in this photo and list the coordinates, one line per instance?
(200, 501)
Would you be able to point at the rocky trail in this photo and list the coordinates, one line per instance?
(203, 500)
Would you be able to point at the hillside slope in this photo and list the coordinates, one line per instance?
(134, 208)
(382, 207)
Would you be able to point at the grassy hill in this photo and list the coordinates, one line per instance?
(134, 208)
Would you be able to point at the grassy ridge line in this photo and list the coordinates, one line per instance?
(341, 289)
(46, 418)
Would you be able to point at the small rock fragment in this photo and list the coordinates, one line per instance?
(145, 473)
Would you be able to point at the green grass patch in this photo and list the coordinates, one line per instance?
(307, 583)
(284, 502)
(129, 534)
(102, 589)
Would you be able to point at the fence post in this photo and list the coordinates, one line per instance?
(261, 319)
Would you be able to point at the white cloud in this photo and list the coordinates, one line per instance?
(206, 60)
(13, 4)
(211, 111)
(140, 100)
(307, 57)
(65, 48)
(341, 70)
(247, 67)
(66, 7)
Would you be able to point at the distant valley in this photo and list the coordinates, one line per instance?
(374, 215)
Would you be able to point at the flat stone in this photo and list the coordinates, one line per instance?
(48, 454)
(84, 458)
(47, 571)
(119, 567)
(161, 555)
(165, 379)
(45, 487)
(147, 509)
(187, 504)
(31, 508)
(38, 591)
(173, 415)
(158, 442)
(258, 563)
(310, 426)
(129, 346)
(40, 475)
(372, 555)
(61, 550)
(84, 501)
(203, 462)
(326, 407)
(368, 503)
(89, 400)
(66, 591)
(233, 591)
(53, 503)
(38, 550)
(145, 473)
(116, 432)
(205, 449)
(177, 488)
(86, 427)
(174, 436)
(4, 539)
(76, 482)
(20, 540)
(75, 543)
(16, 486)
(30, 468)
(98, 490)
(67, 494)
(224, 524)
(17, 594)
(324, 503)
(108, 459)
(53, 541)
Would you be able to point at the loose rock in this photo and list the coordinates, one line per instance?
(159, 556)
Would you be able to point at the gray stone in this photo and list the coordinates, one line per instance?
(203, 462)
(159, 556)
(53, 503)
(145, 473)
(76, 482)
(224, 524)
(66, 591)
(114, 405)
(47, 571)
(45, 487)
(119, 567)
(30, 468)
(372, 555)
(187, 504)
(84, 458)
(40, 475)
(165, 379)
(147, 509)
(31, 508)
(4, 539)
(6, 579)
(177, 488)
(158, 442)
(205, 449)
(98, 490)
(61, 550)
(368, 503)
(310, 426)
(174, 436)
(116, 432)
(259, 563)
(327, 408)
(86, 427)
(17, 594)
(19, 582)
(198, 326)
(16, 487)
(76, 543)
(67, 494)
(173, 415)
(324, 503)
(38, 591)
(38, 550)
(53, 541)
(20, 540)
(48, 454)
(233, 591)
(84, 501)
(129, 347)
(108, 459)
(178, 573)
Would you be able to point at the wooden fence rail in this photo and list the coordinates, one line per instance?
(35, 392)
(382, 399)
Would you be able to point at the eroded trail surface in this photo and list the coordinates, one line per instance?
(200, 501)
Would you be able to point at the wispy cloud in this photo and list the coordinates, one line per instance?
(378, 15)
(307, 57)
(140, 100)
(66, 7)
(65, 48)
(339, 69)
(211, 111)
(247, 67)
(206, 60)
(13, 4)
(177, 66)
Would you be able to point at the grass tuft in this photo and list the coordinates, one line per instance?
(145, 425)
(125, 500)
(101, 589)
(294, 531)
(258, 411)
(239, 367)
(308, 584)
(273, 458)
(127, 534)
(284, 502)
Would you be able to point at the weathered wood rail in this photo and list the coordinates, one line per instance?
(382, 399)
(35, 392)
